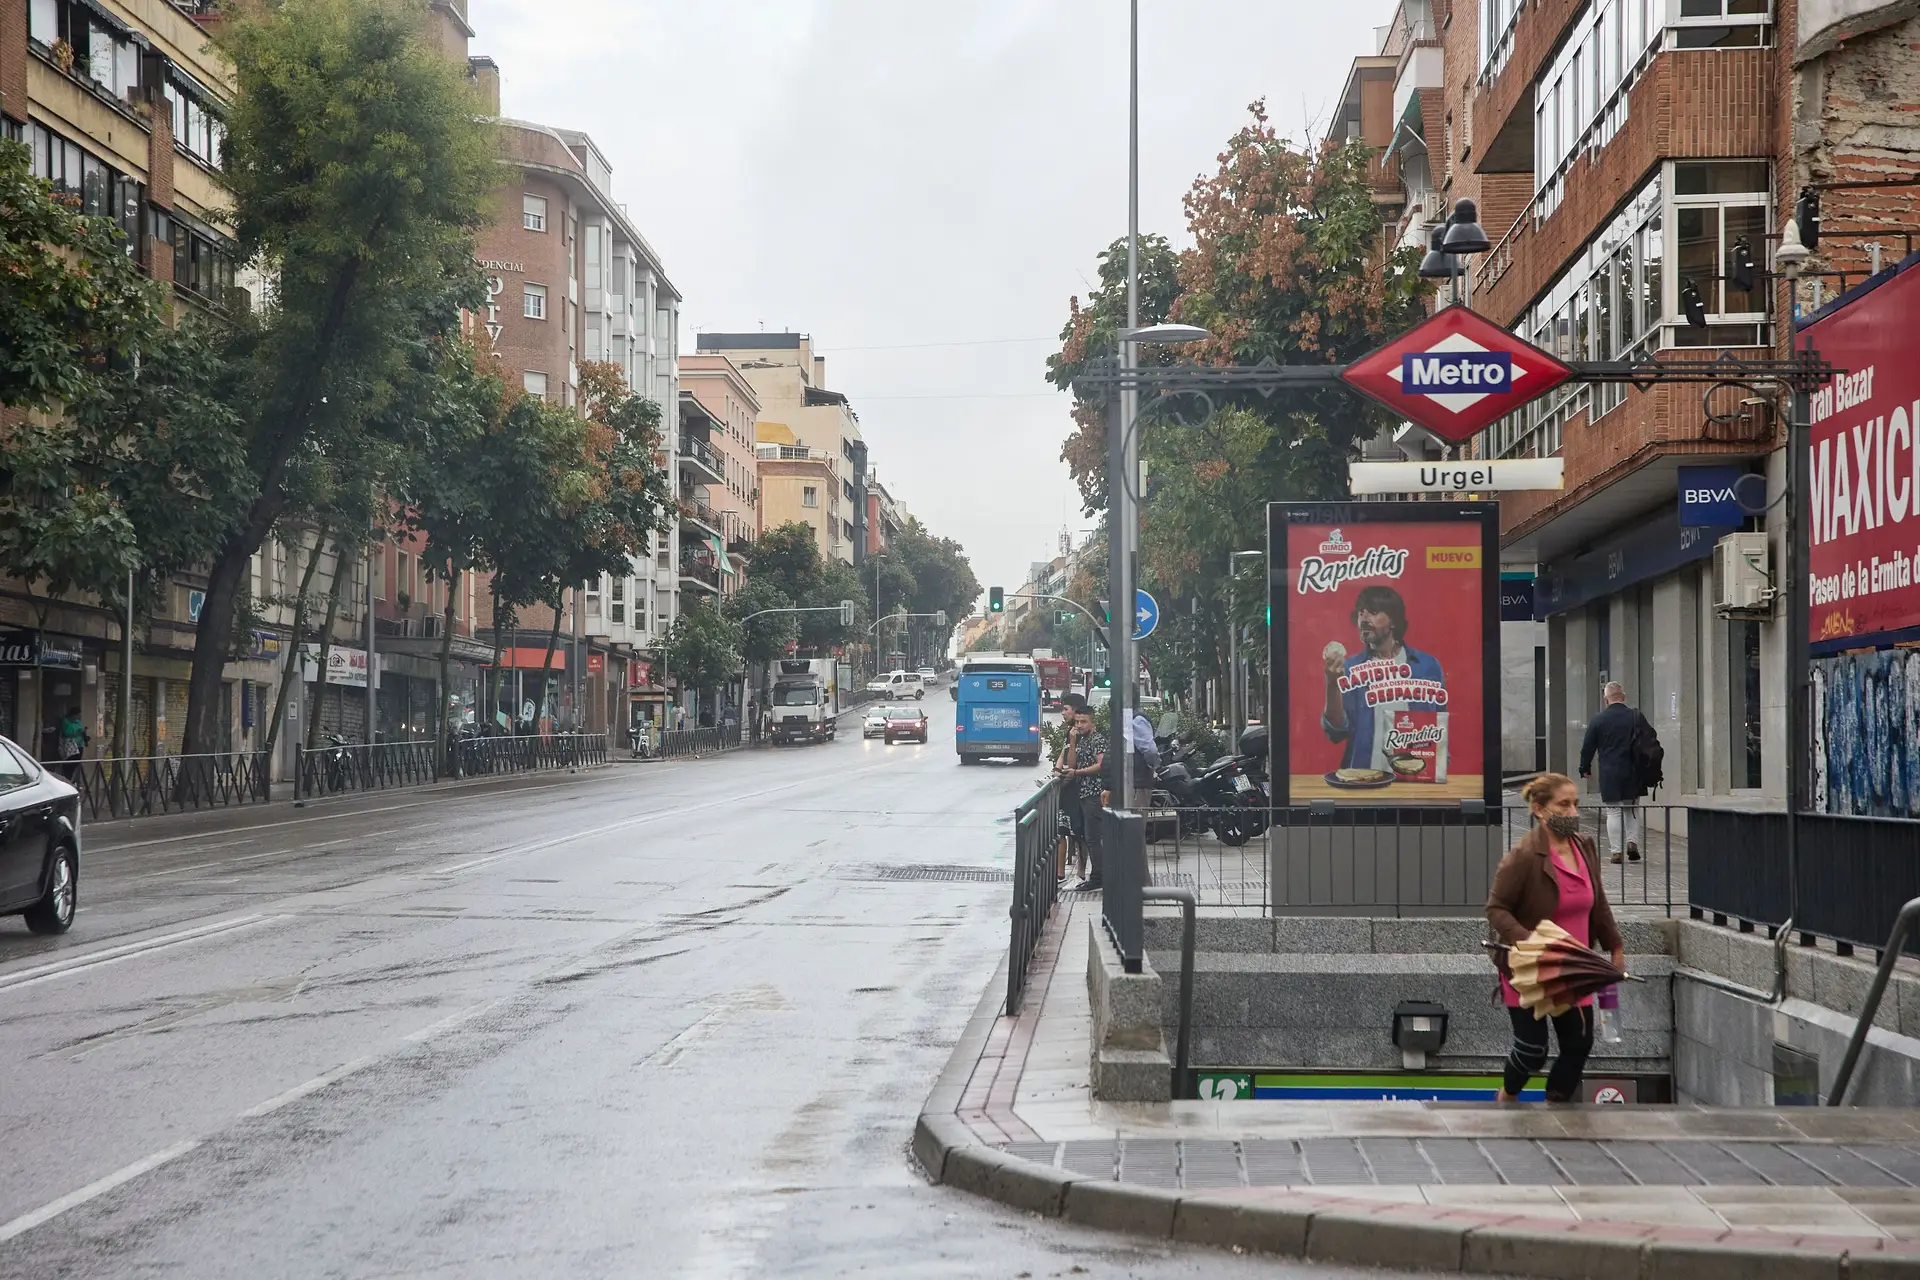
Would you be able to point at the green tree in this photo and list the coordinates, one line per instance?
(71, 299)
(359, 169)
(703, 647)
(764, 638)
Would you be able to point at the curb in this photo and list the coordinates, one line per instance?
(1330, 1228)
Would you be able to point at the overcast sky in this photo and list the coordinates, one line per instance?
(920, 186)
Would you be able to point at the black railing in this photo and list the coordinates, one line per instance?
(385, 766)
(1123, 874)
(1853, 873)
(695, 742)
(1036, 887)
(141, 786)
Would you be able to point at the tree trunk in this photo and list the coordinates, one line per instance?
(290, 675)
(440, 725)
(546, 669)
(326, 649)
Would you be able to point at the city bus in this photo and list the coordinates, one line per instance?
(997, 708)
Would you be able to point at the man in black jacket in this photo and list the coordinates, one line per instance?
(1610, 736)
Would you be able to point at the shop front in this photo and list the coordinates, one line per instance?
(44, 676)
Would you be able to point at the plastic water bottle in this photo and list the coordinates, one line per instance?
(1606, 1020)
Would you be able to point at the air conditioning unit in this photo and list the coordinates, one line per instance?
(1742, 576)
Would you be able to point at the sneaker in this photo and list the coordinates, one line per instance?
(1617, 858)
(1633, 852)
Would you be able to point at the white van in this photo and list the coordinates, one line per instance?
(899, 684)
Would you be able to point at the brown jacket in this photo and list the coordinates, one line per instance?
(1526, 891)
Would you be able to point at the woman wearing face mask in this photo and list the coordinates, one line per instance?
(1552, 874)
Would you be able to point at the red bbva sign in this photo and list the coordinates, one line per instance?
(1863, 487)
(1456, 373)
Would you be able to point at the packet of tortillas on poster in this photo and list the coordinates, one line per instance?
(1411, 745)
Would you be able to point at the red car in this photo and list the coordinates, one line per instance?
(906, 722)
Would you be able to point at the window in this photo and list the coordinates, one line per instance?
(535, 384)
(594, 234)
(1721, 24)
(809, 496)
(594, 351)
(1743, 704)
(1582, 96)
(533, 213)
(1716, 206)
(533, 301)
(197, 129)
(617, 601)
(103, 50)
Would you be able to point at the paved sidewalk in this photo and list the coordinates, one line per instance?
(1537, 1191)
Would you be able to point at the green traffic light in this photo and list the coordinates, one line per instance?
(996, 600)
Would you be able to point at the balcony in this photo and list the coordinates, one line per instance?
(697, 456)
(699, 519)
(1720, 89)
(700, 573)
(1503, 108)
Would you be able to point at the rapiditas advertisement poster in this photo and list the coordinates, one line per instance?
(1385, 652)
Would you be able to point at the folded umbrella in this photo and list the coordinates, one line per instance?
(1551, 972)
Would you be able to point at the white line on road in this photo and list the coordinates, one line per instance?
(314, 1085)
(73, 1199)
(113, 955)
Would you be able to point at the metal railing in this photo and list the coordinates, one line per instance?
(701, 451)
(1903, 924)
(1434, 861)
(1036, 836)
(140, 786)
(705, 571)
(385, 766)
(1852, 876)
(694, 742)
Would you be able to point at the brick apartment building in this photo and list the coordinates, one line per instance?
(723, 414)
(1620, 151)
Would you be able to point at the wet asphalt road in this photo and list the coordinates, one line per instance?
(654, 1020)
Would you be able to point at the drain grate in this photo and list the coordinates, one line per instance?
(924, 871)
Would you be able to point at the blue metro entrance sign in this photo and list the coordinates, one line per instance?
(1456, 373)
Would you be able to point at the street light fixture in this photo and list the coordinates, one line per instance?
(1464, 234)
(1168, 334)
(1438, 264)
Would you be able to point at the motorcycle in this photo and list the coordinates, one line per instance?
(642, 738)
(336, 763)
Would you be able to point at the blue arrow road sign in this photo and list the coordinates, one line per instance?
(1146, 615)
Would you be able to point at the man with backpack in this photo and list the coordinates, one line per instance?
(1630, 758)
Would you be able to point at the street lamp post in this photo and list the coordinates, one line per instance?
(1237, 712)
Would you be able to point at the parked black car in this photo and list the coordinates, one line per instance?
(39, 842)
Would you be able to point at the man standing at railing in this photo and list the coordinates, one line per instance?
(1629, 752)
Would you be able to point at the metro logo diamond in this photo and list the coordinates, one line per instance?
(1456, 373)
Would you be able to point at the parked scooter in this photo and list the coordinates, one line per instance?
(336, 762)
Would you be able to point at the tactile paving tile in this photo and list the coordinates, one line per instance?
(1459, 1162)
(1273, 1162)
(1782, 1168)
(1651, 1165)
(1396, 1161)
(1712, 1165)
(1335, 1162)
(1210, 1163)
(1522, 1163)
(1841, 1165)
(1089, 1159)
(1586, 1163)
(1152, 1162)
(1038, 1152)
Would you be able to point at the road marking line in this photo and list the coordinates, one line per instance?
(451, 1021)
(93, 1190)
(113, 955)
(314, 1085)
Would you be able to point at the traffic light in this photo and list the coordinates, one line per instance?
(1741, 274)
(1806, 213)
(996, 600)
(1693, 305)
(1106, 615)
(1104, 680)
(846, 613)
(1061, 617)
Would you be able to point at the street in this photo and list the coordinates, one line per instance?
(668, 1019)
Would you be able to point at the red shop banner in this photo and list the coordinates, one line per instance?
(1385, 644)
(1863, 490)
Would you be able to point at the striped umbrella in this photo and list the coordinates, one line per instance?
(1551, 972)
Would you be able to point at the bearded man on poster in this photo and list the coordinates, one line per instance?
(1380, 619)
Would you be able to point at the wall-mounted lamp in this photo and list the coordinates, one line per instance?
(1419, 1028)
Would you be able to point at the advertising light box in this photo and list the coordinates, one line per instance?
(1385, 652)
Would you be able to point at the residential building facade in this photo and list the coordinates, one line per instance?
(790, 382)
(732, 410)
(1626, 156)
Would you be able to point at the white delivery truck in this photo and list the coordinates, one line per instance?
(805, 703)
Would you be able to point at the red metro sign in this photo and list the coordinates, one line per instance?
(1456, 373)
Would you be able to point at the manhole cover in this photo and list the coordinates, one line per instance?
(921, 871)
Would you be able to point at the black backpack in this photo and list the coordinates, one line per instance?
(1647, 754)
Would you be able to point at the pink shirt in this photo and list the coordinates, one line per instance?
(1574, 914)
